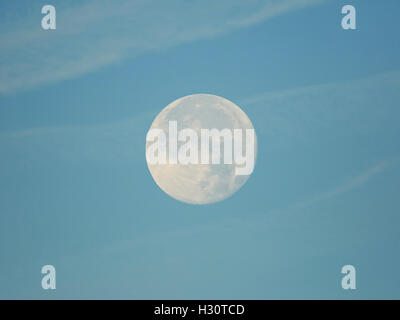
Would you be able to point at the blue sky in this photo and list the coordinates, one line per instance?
(76, 104)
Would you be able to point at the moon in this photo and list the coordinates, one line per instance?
(200, 183)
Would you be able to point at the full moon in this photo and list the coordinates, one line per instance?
(200, 183)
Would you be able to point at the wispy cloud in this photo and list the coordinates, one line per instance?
(346, 186)
(332, 112)
(335, 114)
(337, 110)
(312, 110)
(94, 34)
(115, 143)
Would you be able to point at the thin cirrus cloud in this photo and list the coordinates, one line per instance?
(94, 34)
(348, 185)
(286, 118)
(307, 116)
(345, 110)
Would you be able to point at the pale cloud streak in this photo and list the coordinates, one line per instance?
(346, 186)
(337, 110)
(95, 34)
(284, 118)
